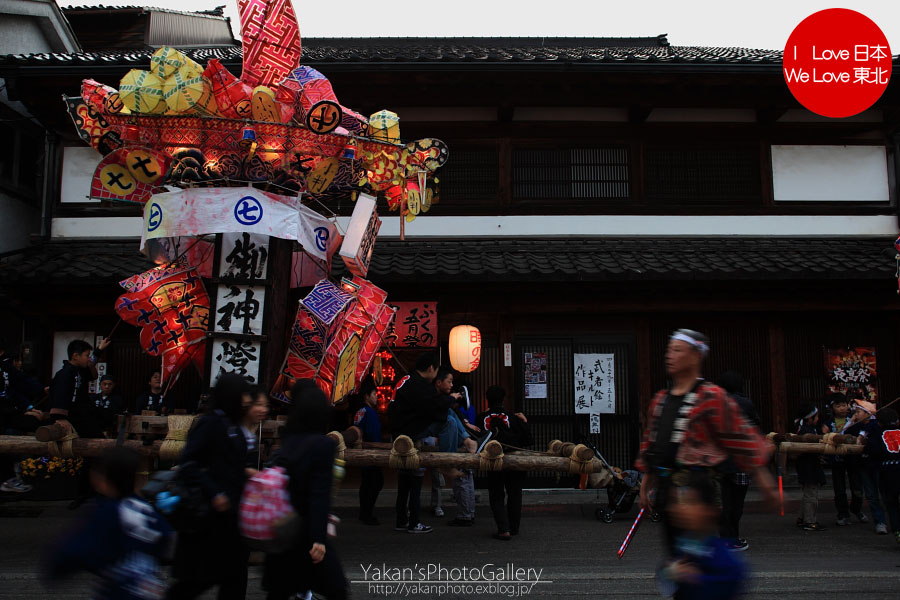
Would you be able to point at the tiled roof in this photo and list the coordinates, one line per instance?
(635, 258)
(451, 51)
(210, 14)
(558, 259)
(73, 263)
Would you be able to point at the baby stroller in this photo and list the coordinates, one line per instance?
(625, 487)
(621, 494)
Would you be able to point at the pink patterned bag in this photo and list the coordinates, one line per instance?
(267, 519)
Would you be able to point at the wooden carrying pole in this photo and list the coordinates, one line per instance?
(819, 448)
(403, 455)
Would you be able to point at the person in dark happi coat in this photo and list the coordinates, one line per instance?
(214, 459)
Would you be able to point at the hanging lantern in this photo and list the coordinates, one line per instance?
(248, 141)
(465, 348)
(349, 151)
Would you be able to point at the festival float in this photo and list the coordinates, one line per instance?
(230, 171)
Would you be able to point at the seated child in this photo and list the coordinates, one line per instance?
(123, 541)
(703, 567)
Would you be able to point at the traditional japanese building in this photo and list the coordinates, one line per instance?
(600, 193)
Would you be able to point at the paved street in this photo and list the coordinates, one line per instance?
(572, 554)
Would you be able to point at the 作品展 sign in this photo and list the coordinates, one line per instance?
(595, 384)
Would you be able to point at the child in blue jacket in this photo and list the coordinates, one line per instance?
(703, 568)
(123, 540)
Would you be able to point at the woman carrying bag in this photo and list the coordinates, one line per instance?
(308, 456)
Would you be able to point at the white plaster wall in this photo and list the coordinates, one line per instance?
(79, 164)
(830, 173)
(559, 226)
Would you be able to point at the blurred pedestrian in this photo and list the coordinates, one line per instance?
(214, 460)
(124, 539)
(702, 568)
(694, 425)
(308, 455)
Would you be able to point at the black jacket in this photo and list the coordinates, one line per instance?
(729, 466)
(809, 467)
(17, 390)
(416, 405)
(150, 401)
(506, 428)
(885, 448)
(69, 389)
(106, 408)
(309, 460)
(214, 457)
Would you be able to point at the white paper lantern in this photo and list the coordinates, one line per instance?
(465, 348)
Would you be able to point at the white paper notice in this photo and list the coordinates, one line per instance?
(595, 384)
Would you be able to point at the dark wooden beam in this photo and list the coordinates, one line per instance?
(778, 376)
(639, 113)
(770, 114)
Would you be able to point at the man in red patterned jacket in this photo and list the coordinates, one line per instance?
(695, 426)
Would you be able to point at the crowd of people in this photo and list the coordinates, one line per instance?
(873, 475)
(701, 448)
(125, 540)
(26, 404)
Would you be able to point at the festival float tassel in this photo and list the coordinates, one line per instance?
(631, 531)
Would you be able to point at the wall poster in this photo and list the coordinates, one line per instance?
(535, 374)
(852, 372)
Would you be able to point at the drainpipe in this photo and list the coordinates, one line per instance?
(50, 182)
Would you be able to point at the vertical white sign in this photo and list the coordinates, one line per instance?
(234, 356)
(595, 384)
(240, 309)
(244, 256)
(507, 355)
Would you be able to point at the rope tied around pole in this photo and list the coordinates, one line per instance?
(579, 465)
(341, 446)
(176, 436)
(491, 457)
(404, 454)
(63, 446)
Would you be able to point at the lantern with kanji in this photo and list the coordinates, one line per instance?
(465, 348)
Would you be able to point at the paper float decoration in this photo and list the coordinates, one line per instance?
(130, 174)
(335, 337)
(272, 89)
(141, 92)
(201, 211)
(171, 306)
(270, 39)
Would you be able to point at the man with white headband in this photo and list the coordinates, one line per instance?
(695, 426)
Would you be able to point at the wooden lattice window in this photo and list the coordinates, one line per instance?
(574, 173)
(471, 175)
(706, 175)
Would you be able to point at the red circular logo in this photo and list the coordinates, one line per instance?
(837, 62)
